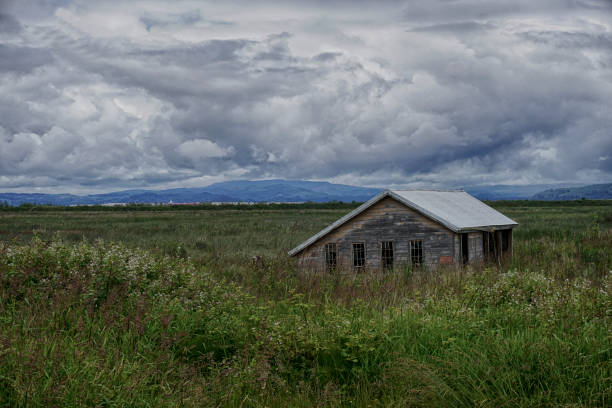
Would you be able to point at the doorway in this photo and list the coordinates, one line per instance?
(465, 256)
(496, 245)
(489, 246)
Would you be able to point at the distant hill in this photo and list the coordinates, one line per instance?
(295, 191)
(231, 191)
(510, 192)
(128, 196)
(291, 191)
(592, 192)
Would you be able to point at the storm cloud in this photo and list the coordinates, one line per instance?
(108, 95)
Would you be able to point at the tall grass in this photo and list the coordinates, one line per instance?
(188, 321)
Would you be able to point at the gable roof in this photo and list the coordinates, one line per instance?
(455, 209)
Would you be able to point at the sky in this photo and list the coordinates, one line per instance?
(106, 95)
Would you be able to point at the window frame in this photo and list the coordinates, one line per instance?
(353, 253)
(331, 262)
(416, 252)
(385, 258)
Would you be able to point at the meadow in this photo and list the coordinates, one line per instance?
(163, 307)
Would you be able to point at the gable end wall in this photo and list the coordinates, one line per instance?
(387, 220)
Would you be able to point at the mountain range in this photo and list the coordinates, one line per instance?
(231, 191)
(295, 191)
(591, 192)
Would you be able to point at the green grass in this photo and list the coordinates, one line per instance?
(142, 308)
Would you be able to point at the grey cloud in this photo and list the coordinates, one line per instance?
(444, 11)
(327, 56)
(206, 53)
(187, 18)
(22, 59)
(455, 28)
(36, 9)
(9, 24)
(599, 5)
(452, 99)
(151, 20)
(561, 39)
(16, 116)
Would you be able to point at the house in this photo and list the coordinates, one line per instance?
(418, 227)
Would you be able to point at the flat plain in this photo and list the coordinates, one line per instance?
(165, 308)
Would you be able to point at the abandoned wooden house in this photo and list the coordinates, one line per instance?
(410, 227)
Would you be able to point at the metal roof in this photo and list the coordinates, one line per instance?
(455, 209)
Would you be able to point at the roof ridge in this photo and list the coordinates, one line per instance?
(427, 189)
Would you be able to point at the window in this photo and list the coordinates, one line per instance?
(416, 252)
(386, 255)
(331, 256)
(358, 254)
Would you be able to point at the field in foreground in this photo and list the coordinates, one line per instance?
(166, 310)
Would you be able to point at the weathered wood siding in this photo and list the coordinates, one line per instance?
(387, 220)
(475, 249)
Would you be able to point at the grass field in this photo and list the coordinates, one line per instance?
(163, 308)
